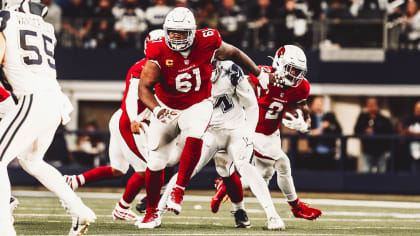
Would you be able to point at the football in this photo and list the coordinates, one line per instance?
(291, 110)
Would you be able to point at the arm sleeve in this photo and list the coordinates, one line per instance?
(249, 102)
(131, 99)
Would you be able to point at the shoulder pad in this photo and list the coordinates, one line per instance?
(236, 74)
(4, 17)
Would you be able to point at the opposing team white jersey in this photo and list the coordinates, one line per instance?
(29, 63)
(231, 92)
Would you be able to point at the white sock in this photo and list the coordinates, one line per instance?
(81, 179)
(6, 225)
(287, 187)
(259, 187)
(125, 204)
(238, 205)
(178, 186)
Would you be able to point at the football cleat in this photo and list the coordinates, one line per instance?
(174, 201)
(71, 180)
(302, 210)
(241, 219)
(275, 223)
(120, 213)
(218, 195)
(78, 226)
(82, 216)
(151, 220)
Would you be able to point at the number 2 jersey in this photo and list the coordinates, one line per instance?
(186, 80)
(274, 101)
(29, 64)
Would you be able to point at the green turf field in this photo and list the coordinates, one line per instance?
(43, 215)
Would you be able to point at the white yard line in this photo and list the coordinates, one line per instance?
(194, 198)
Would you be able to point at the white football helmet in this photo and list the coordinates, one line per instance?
(153, 35)
(289, 62)
(27, 6)
(180, 19)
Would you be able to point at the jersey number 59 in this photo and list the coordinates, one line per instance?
(32, 56)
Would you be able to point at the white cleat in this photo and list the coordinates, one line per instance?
(151, 220)
(78, 227)
(174, 201)
(275, 223)
(71, 181)
(82, 216)
(120, 213)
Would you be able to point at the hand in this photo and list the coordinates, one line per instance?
(136, 126)
(296, 123)
(268, 78)
(164, 115)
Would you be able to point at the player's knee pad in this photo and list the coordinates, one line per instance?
(265, 167)
(282, 166)
(156, 164)
(223, 171)
(31, 167)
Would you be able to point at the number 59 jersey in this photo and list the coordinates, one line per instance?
(29, 63)
(186, 80)
(274, 101)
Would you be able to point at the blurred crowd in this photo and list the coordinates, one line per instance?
(261, 24)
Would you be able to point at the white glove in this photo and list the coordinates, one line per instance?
(166, 116)
(298, 123)
(264, 79)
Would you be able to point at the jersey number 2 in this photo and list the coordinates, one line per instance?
(273, 111)
(183, 83)
(35, 58)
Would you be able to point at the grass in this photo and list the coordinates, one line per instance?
(45, 216)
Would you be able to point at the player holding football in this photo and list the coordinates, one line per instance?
(233, 123)
(127, 146)
(179, 70)
(27, 55)
(289, 64)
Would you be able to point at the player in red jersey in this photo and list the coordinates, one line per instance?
(179, 69)
(289, 64)
(127, 143)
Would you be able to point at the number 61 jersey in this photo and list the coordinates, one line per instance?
(274, 101)
(186, 80)
(29, 64)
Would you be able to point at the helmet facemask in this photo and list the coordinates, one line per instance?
(179, 44)
(293, 75)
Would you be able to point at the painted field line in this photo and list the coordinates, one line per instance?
(401, 219)
(194, 198)
(221, 234)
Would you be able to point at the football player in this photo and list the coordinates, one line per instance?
(233, 123)
(27, 55)
(127, 146)
(178, 70)
(289, 64)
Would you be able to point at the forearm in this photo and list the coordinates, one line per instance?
(131, 99)
(147, 97)
(229, 52)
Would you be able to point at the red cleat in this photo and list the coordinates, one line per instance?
(174, 202)
(219, 195)
(302, 210)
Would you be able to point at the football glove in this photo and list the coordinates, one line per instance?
(297, 123)
(164, 115)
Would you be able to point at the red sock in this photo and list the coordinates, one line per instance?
(4, 94)
(294, 203)
(154, 182)
(189, 159)
(234, 188)
(102, 172)
(134, 185)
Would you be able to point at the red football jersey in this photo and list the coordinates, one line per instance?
(186, 80)
(135, 71)
(273, 101)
